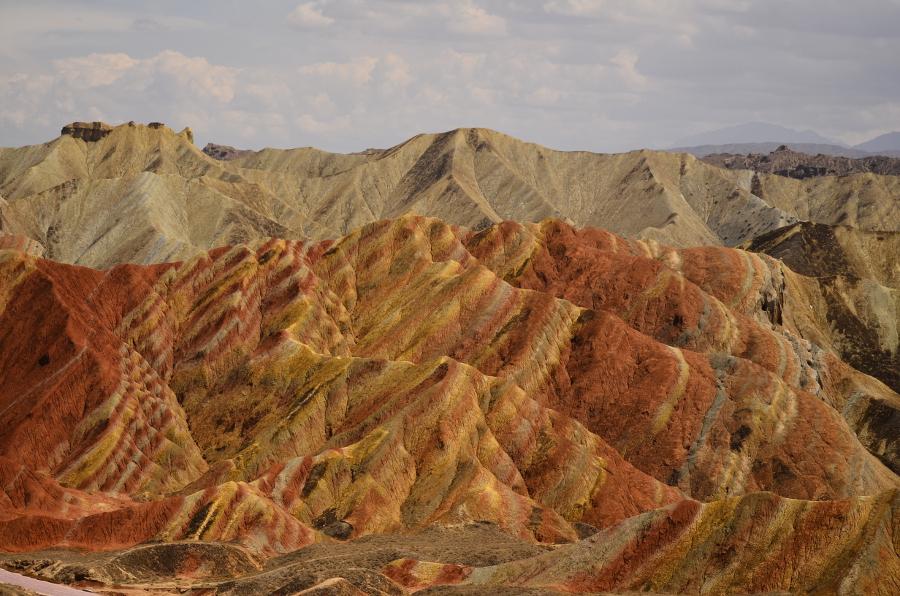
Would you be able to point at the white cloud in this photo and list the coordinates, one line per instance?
(117, 87)
(266, 93)
(168, 67)
(484, 95)
(310, 124)
(397, 70)
(625, 62)
(576, 8)
(309, 15)
(465, 62)
(95, 70)
(376, 71)
(459, 18)
(432, 96)
(195, 74)
(18, 94)
(358, 72)
(545, 96)
(323, 103)
(163, 24)
(468, 18)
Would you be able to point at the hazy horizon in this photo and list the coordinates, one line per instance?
(344, 75)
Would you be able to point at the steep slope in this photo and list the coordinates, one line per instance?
(334, 445)
(283, 394)
(710, 300)
(475, 177)
(134, 193)
(137, 194)
(857, 275)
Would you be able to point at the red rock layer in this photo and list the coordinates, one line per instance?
(712, 424)
(758, 543)
(283, 393)
(709, 300)
(228, 360)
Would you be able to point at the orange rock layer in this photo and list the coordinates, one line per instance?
(551, 380)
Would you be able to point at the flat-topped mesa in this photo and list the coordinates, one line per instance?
(91, 132)
(87, 131)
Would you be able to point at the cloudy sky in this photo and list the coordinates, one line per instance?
(604, 75)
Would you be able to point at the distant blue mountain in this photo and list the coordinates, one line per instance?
(755, 132)
(889, 142)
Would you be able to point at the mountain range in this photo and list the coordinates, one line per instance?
(887, 142)
(465, 364)
(145, 194)
(755, 132)
(762, 137)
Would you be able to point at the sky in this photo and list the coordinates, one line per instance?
(345, 75)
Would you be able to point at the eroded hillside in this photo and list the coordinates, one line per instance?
(550, 382)
(144, 194)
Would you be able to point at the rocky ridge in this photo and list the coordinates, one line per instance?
(145, 194)
(793, 164)
(551, 381)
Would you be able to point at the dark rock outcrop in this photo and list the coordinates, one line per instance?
(87, 131)
(794, 164)
(224, 152)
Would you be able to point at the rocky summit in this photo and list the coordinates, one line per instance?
(466, 364)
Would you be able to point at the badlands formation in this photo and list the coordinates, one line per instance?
(100, 195)
(427, 369)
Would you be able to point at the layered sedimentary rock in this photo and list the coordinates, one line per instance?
(550, 381)
(231, 380)
(723, 303)
(144, 194)
(857, 275)
(758, 543)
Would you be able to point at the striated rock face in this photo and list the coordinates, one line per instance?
(858, 277)
(550, 381)
(758, 543)
(708, 300)
(148, 358)
(141, 194)
(89, 132)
